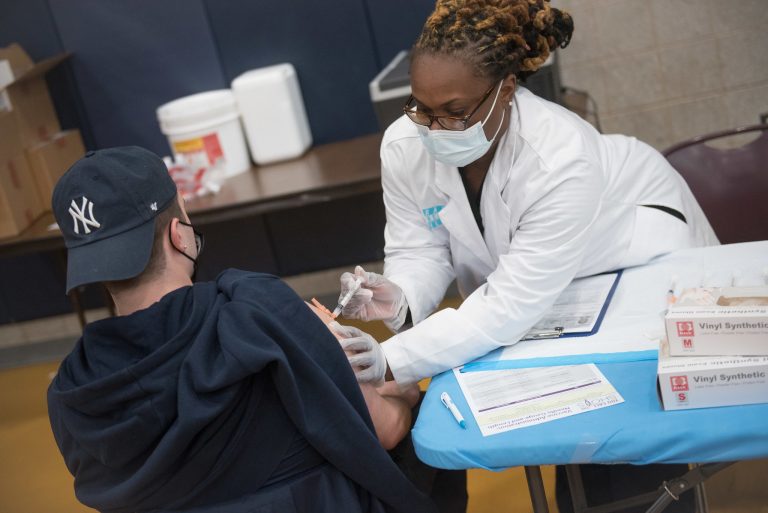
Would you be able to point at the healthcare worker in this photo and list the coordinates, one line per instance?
(511, 195)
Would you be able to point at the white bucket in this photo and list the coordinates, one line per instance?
(205, 129)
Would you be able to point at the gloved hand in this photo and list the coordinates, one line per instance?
(363, 352)
(377, 299)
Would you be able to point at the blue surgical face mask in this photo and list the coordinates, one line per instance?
(459, 148)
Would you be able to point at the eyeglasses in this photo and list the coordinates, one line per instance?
(448, 122)
(199, 239)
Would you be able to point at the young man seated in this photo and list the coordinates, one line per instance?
(219, 396)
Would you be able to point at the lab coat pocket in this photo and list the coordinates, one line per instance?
(655, 233)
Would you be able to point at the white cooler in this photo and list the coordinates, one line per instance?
(272, 111)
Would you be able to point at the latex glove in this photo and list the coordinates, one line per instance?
(363, 352)
(377, 299)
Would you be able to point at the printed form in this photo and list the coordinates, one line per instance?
(502, 400)
(578, 307)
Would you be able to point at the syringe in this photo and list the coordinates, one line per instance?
(351, 292)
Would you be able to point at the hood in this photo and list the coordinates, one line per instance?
(133, 404)
(151, 408)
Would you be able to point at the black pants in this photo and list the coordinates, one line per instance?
(447, 488)
(608, 483)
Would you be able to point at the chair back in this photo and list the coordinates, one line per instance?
(728, 179)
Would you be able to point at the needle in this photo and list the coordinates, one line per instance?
(351, 292)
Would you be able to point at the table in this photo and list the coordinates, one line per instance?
(637, 431)
(324, 173)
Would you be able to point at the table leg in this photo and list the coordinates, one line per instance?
(694, 477)
(75, 298)
(576, 486)
(700, 494)
(108, 300)
(536, 489)
(702, 506)
(579, 497)
(77, 304)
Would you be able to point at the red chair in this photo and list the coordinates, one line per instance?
(729, 181)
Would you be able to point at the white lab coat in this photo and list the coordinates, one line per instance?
(559, 201)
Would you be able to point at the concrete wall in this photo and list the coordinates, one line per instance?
(667, 70)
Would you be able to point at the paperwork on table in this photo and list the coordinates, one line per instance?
(634, 320)
(502, 400)
(578, 310)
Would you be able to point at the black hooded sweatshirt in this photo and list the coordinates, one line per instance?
(223, 396)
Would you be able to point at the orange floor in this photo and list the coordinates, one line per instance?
(33, 477)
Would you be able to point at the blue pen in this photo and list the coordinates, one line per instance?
(446, 400)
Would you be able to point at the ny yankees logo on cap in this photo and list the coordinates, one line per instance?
(78, 214)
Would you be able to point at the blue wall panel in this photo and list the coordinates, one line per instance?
(396, 24)
(329, 44)
(29, 23)
(131, 57)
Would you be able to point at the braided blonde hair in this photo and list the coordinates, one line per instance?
(499, 37)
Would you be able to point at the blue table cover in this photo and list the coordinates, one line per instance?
(636, 431)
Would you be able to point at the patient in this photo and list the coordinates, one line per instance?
(218, 396)
(390, 407)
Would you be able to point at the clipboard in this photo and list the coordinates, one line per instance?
(549, 328)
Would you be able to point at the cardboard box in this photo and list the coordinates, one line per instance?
(714, 321)
(26, 95)
(50, 159)
(686, 382)
(19, 201)
(10, 142)
(14, 62)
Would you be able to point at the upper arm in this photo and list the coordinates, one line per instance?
(562, 212)
(391, 415)
(408, 226)
(389, 411)
(417, 247)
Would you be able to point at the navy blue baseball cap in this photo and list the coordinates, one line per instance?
(106, 205)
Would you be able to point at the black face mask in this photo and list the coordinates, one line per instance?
(199, 243)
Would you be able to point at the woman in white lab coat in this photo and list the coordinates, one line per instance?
(511, 195)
